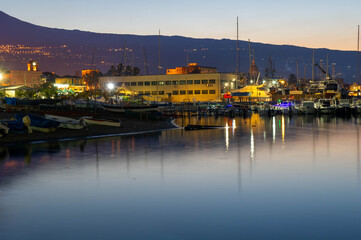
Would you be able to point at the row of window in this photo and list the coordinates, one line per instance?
(160, 83)
(181, 92)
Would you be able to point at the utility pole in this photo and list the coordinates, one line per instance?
(327, 77)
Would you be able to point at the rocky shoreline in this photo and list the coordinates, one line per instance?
(128, 126)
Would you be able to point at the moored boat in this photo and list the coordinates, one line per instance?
(38, 123)
(307, 107)
(102, 121)
(131, 108)
(326, 106)
(66, 122)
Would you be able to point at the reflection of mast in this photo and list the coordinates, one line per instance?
(239, 167)
(358, 155)
(97, 159)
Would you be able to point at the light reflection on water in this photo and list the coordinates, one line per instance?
(256, 178)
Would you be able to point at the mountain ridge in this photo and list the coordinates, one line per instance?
(109, 49)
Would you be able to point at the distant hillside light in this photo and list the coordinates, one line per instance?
(33, 66)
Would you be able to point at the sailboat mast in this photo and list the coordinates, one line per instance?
(237, 61)
(159, 53)
(313, 65)
(358, 54)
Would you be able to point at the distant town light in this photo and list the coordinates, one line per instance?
(110, 86)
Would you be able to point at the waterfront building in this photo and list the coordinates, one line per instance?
(31, 78)
(175, 87)
(68, 83)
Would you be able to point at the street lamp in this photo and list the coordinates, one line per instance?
(1, 76)
(110, 86)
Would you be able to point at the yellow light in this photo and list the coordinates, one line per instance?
(1, 76)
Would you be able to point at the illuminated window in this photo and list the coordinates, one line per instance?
(182, 82)
(160, 83)
(175, 82)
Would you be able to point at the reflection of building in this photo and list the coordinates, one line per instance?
(190, 69)
(67, 83)
(176, 87)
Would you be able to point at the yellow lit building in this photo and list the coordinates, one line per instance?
(67, 83)
(175, 87)
(253, 93)
(31, 78)
(191, 69)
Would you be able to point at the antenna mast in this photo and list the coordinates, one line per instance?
(313, 65)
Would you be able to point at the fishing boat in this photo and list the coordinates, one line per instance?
(307, 107)
(102, 121)
(132, 108)
(326, 106)
(39, 123)
(66, 122)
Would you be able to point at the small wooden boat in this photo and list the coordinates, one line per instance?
(102, 121)
(38, 123)
(200, 127)
(66, 122)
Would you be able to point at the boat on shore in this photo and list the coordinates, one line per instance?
(38, 123)
(102, 121)
(66, 122)
(131, 108)
(200, 127)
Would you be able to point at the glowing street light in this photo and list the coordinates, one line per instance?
(1, 76)
(110, 86)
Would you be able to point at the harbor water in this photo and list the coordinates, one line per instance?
(252, 178)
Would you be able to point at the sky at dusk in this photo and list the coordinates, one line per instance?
(316, 24)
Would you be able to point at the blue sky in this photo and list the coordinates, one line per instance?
(317, 24)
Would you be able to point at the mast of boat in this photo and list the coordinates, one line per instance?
(125, 57)
(358, 54)
(327, 76)
(313, 65)
(237, 60)
(249, 55)
(297, 72)
(159, 53)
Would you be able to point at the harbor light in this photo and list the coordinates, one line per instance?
(110, 86)
(1, 76)
(251, 81)
(226, 84)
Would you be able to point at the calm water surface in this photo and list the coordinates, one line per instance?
(256, 178)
